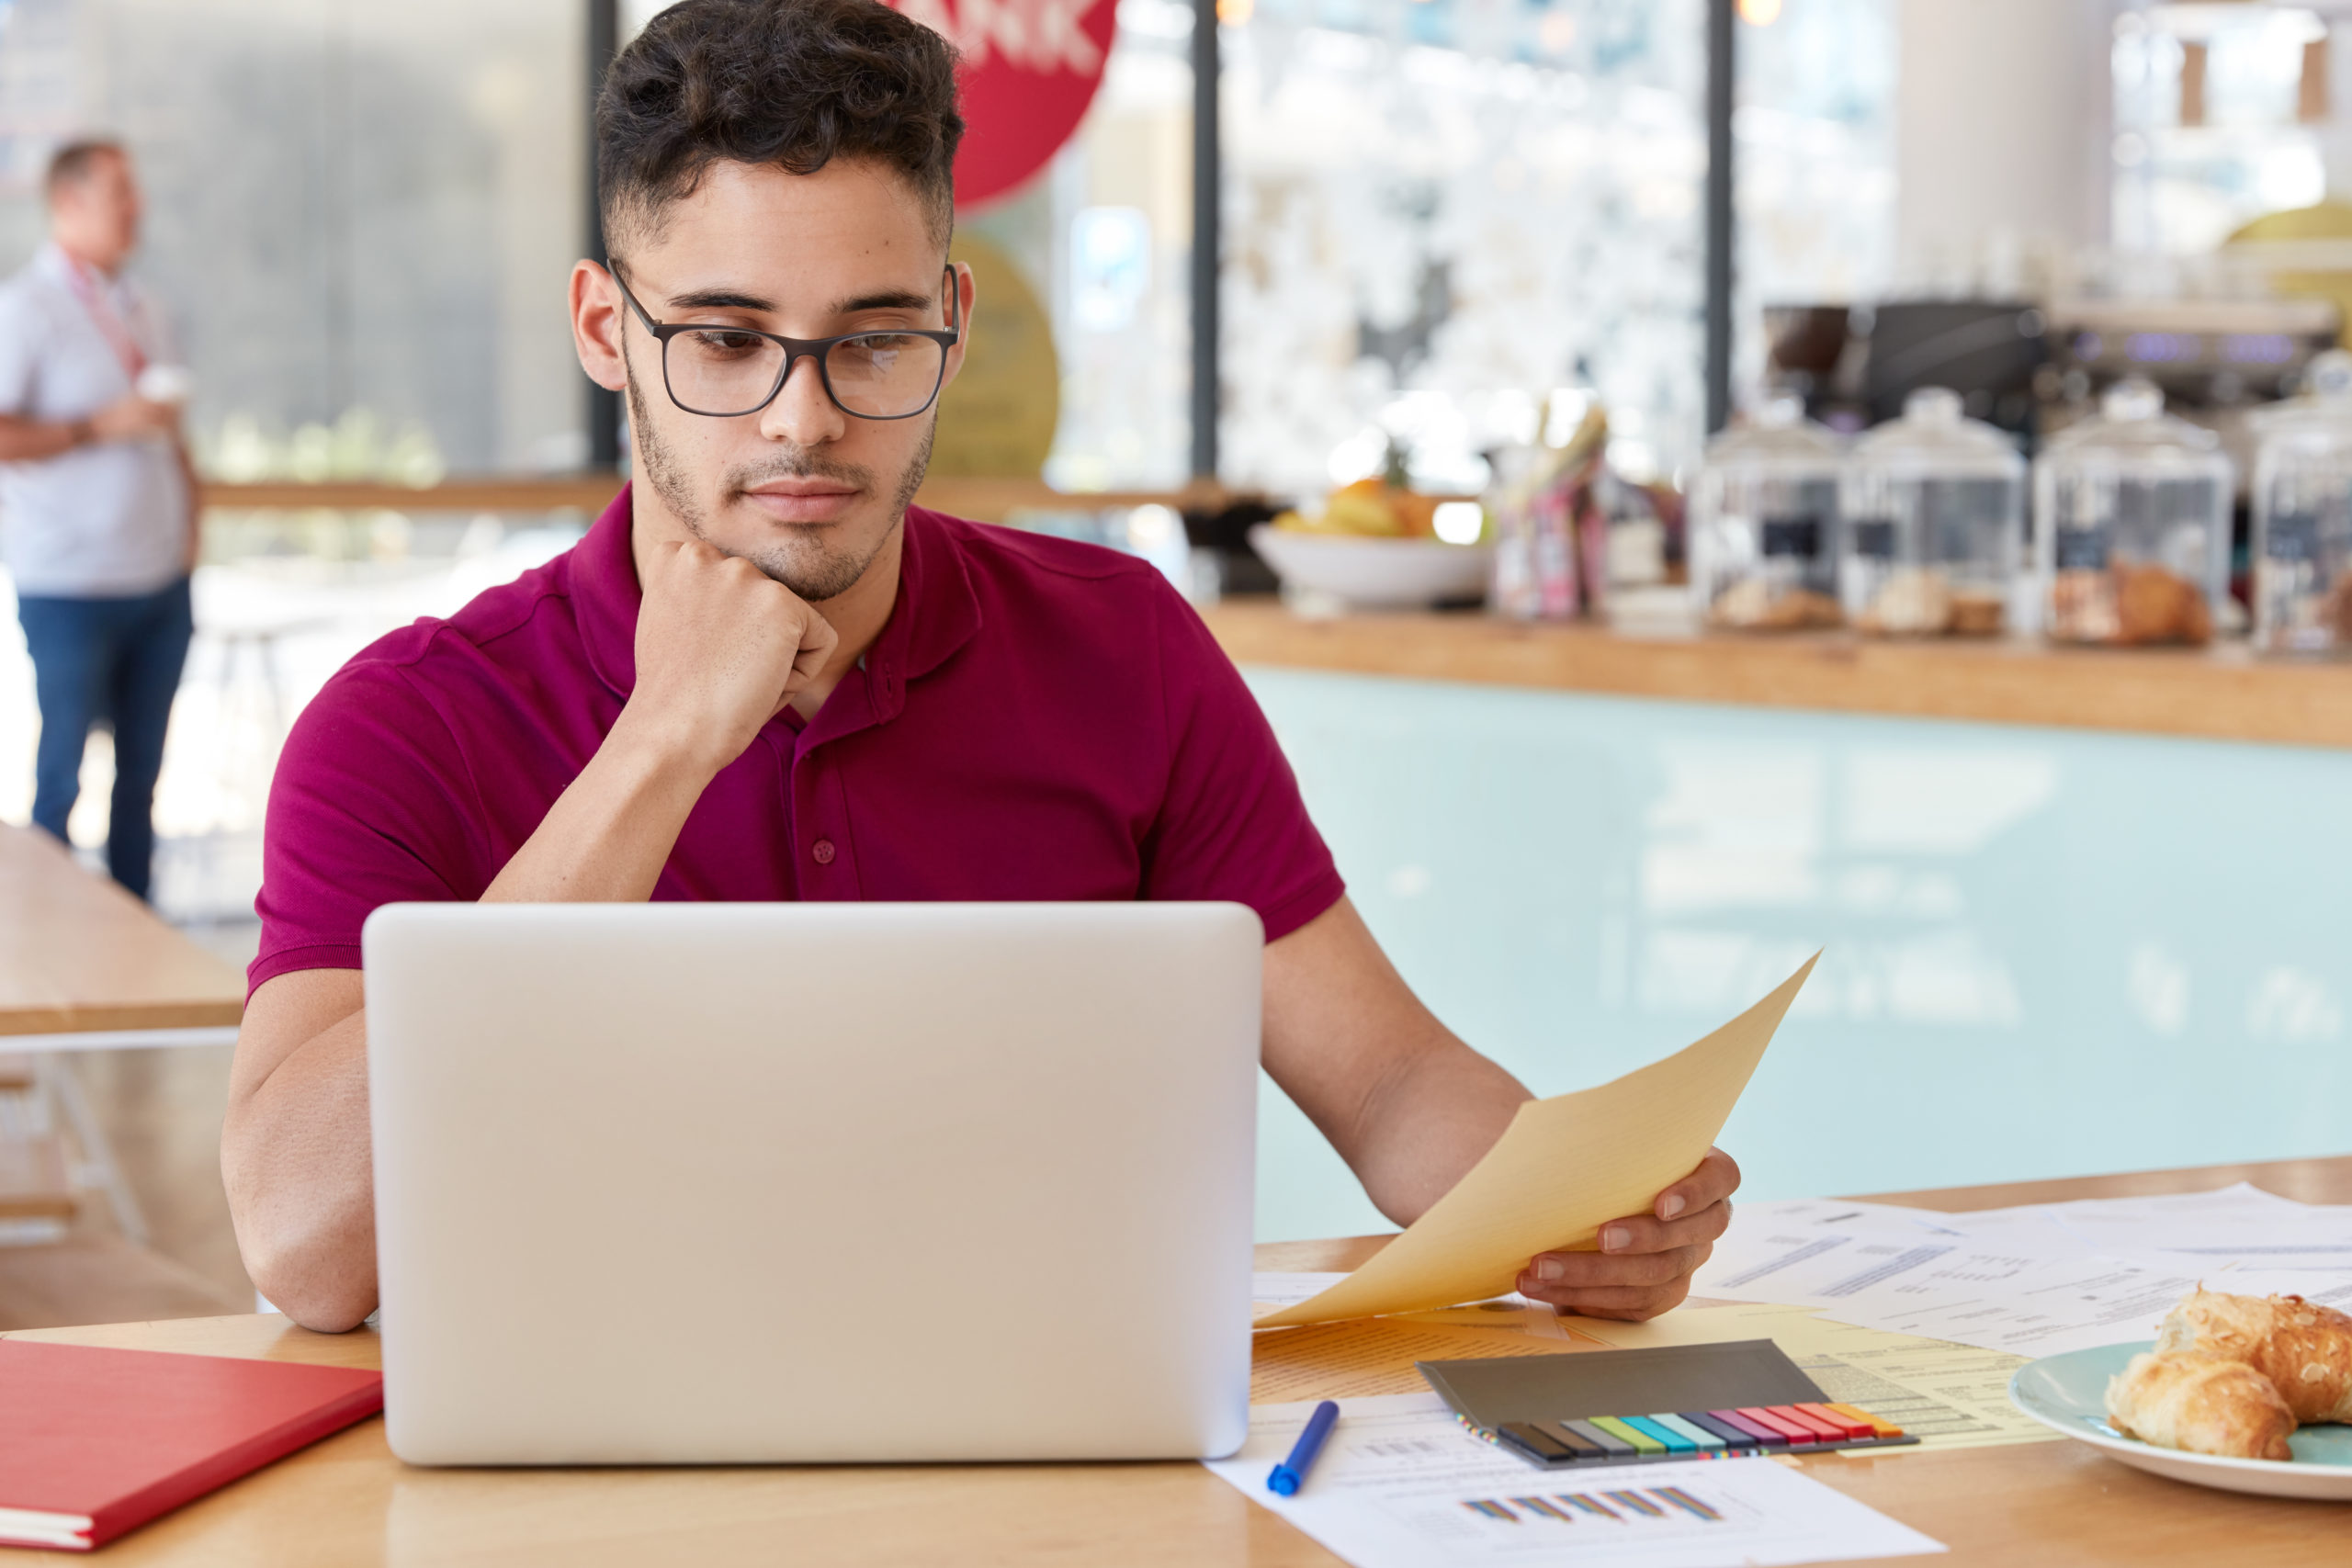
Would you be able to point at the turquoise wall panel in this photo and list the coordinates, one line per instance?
(2046, 952)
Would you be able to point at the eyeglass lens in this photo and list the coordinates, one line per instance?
(878, 375)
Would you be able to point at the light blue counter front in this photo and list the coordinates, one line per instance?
(2046, 952)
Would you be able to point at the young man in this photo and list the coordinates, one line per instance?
(96, 502)
(762, 675)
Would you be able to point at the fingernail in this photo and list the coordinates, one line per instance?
(1614, 1237)
(1671, 1205)
(1549, 1268)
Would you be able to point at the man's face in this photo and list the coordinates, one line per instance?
(808, 493)
(96, 215)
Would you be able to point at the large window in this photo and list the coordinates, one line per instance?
(1439, 213)
(360, 216)
(2219, 116)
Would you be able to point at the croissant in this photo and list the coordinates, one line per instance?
(2180, 1399)
(2302, 1348)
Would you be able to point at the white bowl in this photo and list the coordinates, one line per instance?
(1375, 573)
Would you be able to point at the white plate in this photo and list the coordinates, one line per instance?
(1375, 573)
(2068, 1393)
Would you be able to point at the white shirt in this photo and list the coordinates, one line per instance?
(105, 520)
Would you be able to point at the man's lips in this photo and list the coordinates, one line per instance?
(803, 500)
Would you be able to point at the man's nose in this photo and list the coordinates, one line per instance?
(801, 414)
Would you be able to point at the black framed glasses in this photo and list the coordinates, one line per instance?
(725, 372)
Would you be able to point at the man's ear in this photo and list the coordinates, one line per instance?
(961, 280)
(597, 319)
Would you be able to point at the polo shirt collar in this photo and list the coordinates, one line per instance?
(936, 613)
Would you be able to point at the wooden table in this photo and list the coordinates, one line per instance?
(2220, 693)
(83, 964)
(348, 1501)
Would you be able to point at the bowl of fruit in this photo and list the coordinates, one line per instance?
(1376, 545)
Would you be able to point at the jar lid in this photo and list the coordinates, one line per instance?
(1934, 438)
(2322, 414)
(1776, 436)
(2131, 430)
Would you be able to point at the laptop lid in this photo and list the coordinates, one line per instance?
(824, 1182)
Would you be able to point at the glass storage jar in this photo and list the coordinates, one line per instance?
(2132, 518)
(2302, 515)
(1932, 509)
(1763, 524)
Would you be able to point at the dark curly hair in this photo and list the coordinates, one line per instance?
(792, 83)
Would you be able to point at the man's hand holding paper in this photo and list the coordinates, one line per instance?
(1569, 1168)
(1645, 1261)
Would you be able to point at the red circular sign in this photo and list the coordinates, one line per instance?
(1030, 67)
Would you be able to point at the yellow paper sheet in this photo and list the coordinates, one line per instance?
(1350, 1360)
(1563, 1168)
(1948, 1397)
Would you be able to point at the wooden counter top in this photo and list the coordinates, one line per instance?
(2220, 693)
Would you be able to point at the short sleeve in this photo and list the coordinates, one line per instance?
(371, 804)
(23, 333)
(1232, 824)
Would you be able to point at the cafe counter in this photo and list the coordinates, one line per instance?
(2220, 693)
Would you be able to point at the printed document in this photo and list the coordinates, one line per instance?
(1401, 1484)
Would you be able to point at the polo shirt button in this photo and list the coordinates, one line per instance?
(823, 852)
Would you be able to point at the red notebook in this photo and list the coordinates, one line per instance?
(95, 1442)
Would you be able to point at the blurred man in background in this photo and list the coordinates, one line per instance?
(97, 514)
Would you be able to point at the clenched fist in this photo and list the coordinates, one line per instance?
(721, 647)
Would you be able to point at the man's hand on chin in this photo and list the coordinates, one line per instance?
(1645, 1261)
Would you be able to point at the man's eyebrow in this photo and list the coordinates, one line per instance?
(883, 299)
(728, 300)
(719, 299)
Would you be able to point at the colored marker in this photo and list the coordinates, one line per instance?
(1885, 1428)
(1676, 1443)
(1610, 1443)
(1737, 1438)
(1850, 1429)
(1823, 1431)
(1291, 1474)
(1580, 1446)
(1540, 1444)
(1766, 1437)
(1697, 1436)
(1799, 1435)
(1643, 1442)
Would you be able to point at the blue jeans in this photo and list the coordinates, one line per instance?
(116, 659)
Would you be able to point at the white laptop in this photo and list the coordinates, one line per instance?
(743, 1183)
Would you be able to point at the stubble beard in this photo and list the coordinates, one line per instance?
(805, 563)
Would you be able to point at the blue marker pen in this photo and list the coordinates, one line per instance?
(1291, 1474)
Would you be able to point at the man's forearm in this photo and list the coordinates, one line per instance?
(31, 440)
(608, 835)
(295, 1149)
(296, 1157)
(1425, 1127)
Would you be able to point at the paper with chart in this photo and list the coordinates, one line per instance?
(2034, 1279)
(1564, 1167)
(1400, 1484)
(1826, 1253)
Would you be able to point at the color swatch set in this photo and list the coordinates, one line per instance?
(1708, 1401)
(1698, 1434)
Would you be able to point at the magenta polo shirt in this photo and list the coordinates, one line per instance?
(1038, 720)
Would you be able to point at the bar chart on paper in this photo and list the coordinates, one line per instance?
(1401, 1484)
(1640, 1507)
